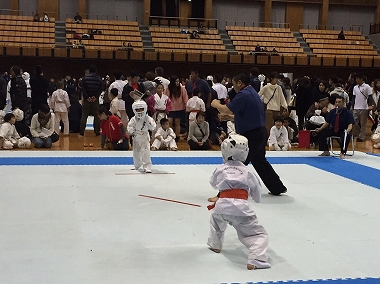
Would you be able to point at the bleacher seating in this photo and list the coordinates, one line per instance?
(112, 34)
(169, 39)
(22, 31)
(245, 40)
(325, 43)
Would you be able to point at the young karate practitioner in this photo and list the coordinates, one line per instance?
(278, 136)
(9, 137)
(165, 137)
(235, 183)
(139, 127)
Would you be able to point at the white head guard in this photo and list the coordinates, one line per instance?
(26, 76)
(24, 143)
(139, 108)
(18, 113)
(235, 147)
(376, 138)
(261, 77)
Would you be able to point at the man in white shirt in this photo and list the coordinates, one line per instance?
(159, 76)
(362, 98)
(119, 85)
(219, 88)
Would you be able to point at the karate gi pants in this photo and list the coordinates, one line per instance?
(249, 232)
(141, 153)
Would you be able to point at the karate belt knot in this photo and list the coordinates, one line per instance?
(231, 193)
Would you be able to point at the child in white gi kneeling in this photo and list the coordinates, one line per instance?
(278, 136)
(165, 137)
(235, 183)
(139, 127)
(9, 137)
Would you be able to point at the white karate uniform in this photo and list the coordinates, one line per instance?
(138, 128)
(279, 138)
(114, 106)
(220, 90)
(159, 104)
(195, 104)
(10, 136)
(119, 85)
(167, 141)
(60, 103)
(237, 212)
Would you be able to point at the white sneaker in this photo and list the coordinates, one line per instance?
(147, 171)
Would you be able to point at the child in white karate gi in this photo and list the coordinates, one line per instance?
(195, 104)
(139, 127)
(9, 137)
(235, 183)
(159, 104)
(165, 137)
(278, 136)
(60, 103)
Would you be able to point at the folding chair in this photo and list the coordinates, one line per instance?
(331, 138)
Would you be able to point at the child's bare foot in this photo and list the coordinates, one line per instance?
(215, 250)
(342, 156)
(257, 264)
(213, 199)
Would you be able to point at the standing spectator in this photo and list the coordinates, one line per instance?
(39, 86)
(60, 103)
(159, 76)
(178, 96)
(128, 94)
(254, 80)
(220, 89)
(75, 114)
(18, 94)
(362, 103)
(119, 85)
(3, 89)
(195, 104)
(26, 77)
(92, 87)
(304, 100)
(201, 84)
(272, 96)
(52, 86)
(249, 119)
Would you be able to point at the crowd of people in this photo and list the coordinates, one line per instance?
(185, 106)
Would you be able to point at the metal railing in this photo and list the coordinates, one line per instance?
(102, 17)
(358, 28)
(183, 22)
(257, 24)
(374, 28)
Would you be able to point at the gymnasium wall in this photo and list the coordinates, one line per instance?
(68, 9)
(311, 15)
(5, 4)
(28, 6)
(115, 9)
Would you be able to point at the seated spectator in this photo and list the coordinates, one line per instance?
(164, 137)
(9, 137)
(194, 34)
(278, 136)
(274, 52)
(339, 123)
(201, 29)
(36, 17)
(45, 17)
(77, 18)
(21, 125)
(42, 127)
(129, 46)
(199, 132)
(341, 35)
(112, 131)
(258, 48)
(293, 139)
(315, 117)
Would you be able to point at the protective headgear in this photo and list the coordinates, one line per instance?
(25, 76)
(376, 138)
(19, 114)
(210, 78)
(235, 147)
(139, 108)
(24, 143)
(261, 77)
(2, 114)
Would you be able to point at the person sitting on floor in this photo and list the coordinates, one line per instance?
(278, 136)
(339, 123)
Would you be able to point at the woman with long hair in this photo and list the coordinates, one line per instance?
(178, 96)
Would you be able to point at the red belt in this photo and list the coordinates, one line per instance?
(231, 193)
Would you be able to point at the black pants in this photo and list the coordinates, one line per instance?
(124, 146)
(257, 140)
(328, 132)
(194, 145)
